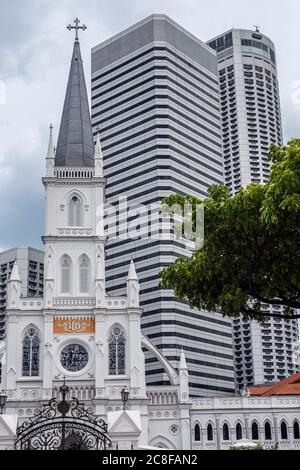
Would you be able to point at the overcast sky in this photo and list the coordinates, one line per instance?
(35, 52)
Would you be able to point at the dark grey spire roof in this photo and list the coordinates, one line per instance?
(75, 145)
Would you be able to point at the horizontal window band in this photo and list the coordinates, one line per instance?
(145, 172)
(147, 245)
(155, 108)
(159, 147)
(158, 180)
(177, 334)
(142, 103)
(189, 360)
(156, 76)
(149, 256)
(155, 89)
(194, 373)
(185, 325)
(156, 118)
(185, 347)
(196, 386)
(168, 137)
(142, 54)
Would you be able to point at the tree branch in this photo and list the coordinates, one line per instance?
(251, 312)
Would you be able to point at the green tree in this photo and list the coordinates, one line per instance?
(251, 251)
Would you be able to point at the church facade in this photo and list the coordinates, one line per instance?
(78, 334)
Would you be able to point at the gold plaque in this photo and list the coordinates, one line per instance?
(63, 325)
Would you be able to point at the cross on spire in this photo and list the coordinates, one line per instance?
(76, 27)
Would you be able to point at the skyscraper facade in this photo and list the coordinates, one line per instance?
(31, 266)
(251, 122)
(155, 100)
(250, 105)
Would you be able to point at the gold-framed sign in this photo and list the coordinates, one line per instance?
(73, 324)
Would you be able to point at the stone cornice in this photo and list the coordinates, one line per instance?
(73, 239)
(54, 181)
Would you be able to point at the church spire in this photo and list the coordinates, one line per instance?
(75, 145)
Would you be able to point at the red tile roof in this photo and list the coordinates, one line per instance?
(289, 386)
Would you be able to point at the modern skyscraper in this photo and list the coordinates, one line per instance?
(31, 266)
(250, 105)
(251, 122)
(155, 99)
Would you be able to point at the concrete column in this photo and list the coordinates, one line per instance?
(218, 437)
(276, 430)
(185, 427)
(247, 430)
(100, 363)
(12, 341)
(48, 356)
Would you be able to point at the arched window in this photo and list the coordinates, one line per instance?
(75, 212)
(283, 430)
(268, 431)
(254, 429)
(84, 268)
(66, 275)
(116, 347)
(197, 432)
(225, 432)
(31, 353)
(210, 434)
(296, 430)
(239, 432)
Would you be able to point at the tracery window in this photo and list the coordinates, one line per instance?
(116, 347)
(296, 430)
(254, 429)
(268, 431)
(210, 434)
(31, 353)
(283, 429)
(225, 432)
(239, 432)
(197, 432)
(74, 357)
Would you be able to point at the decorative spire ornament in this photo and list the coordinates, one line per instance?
(77, 28)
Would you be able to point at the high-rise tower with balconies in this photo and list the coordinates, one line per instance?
(251, 122)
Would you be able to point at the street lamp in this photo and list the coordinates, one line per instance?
(125, 396)
(3, 400)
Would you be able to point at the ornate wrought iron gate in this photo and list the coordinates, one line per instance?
(64, 425)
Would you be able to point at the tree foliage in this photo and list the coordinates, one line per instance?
(251, 252)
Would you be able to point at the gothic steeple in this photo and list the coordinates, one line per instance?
(75, 146)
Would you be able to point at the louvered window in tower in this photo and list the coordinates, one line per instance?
(84, 275)
(75, 212)
(66, 275)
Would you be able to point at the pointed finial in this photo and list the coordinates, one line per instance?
(132, 276)
(98, 157)
(182, 364)
(51, 152)
(98, 150)
(15, 275)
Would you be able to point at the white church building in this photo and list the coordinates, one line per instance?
(78, 334)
